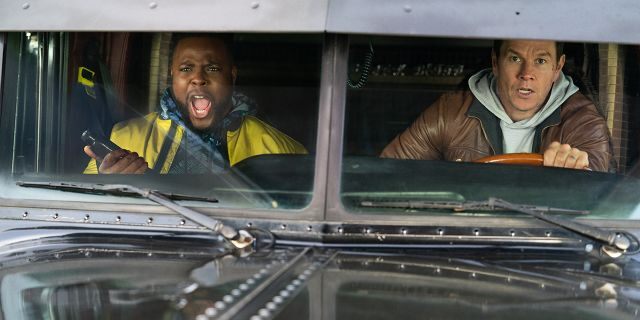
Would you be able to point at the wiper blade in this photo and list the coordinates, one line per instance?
(618, 242)
(112, 189)
(462, 206)
(239, 239)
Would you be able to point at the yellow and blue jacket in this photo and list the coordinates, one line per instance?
(157, 141)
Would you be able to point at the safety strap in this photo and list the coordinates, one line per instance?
(166, 146)
(224, 151)
(85, 78)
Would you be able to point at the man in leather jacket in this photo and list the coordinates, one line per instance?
(524, 103)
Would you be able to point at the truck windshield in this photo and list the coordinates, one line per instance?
(422, 115)
(202, 114)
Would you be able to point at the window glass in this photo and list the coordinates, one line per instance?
(225, 116)
(421, 112)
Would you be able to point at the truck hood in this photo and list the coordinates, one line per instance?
(178, 277)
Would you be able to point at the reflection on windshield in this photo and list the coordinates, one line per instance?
(90, 284)
(286, 284)
(193, 106)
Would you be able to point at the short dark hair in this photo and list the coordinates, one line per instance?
(226, 38)
(497, 45)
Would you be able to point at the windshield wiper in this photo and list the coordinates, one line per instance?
(239, 239)
(462, 206)
(112, 189)
(618, 242)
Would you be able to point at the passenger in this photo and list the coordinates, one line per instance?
(525, 103)
(201, 125)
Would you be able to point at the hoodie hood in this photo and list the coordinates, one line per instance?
(518, 136)
(483, 86)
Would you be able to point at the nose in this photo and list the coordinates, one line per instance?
(199, 79)
(526, 72)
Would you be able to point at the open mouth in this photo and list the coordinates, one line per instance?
(525, 91)
(200, 106)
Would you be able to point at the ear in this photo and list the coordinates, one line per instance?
(559, 67)
(494, 63)
(234, 74)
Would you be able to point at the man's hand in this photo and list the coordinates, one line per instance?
(120, 161)
(564, 156)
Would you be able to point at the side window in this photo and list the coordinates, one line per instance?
(33, 99)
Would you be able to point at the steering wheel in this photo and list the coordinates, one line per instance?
(530, 159)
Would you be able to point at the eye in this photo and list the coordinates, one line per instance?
(514, 58)
(213, 68)
(541, 61)
(185, 69)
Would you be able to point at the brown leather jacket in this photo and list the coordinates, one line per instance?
(458, 128)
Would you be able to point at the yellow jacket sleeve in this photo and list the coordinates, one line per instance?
(255, 137)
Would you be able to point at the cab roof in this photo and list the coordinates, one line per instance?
(583, 20)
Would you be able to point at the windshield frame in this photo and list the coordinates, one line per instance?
(122, 15)
(2, 46)
(519, 19)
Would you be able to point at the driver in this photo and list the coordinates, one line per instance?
(524, 103)
(201, 125)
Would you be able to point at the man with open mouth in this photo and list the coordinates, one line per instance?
(523, 104)
(202, 125)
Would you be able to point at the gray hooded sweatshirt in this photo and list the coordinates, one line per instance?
(518, 136)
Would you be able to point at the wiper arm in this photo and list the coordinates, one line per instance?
(618, 242)
(239, 239)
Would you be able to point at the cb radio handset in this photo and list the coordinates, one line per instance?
(101, 147)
